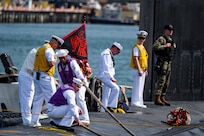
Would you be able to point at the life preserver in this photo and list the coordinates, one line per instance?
(95, 86)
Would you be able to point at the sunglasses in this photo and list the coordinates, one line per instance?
(142, 38)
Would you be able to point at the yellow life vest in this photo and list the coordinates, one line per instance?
(47, 45)
(41, 62)
(143, 58)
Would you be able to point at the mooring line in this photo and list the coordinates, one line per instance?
(91, 130)
(101, 104)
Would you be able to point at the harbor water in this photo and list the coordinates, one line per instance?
(18, 39)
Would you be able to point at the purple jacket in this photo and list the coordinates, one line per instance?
(58, 98)
(65, 72)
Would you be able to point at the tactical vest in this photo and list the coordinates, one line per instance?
(168, 53)
(41, 62)
(143, 58)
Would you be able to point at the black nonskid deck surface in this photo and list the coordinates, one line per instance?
(141, 122)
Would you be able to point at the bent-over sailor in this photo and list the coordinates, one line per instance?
(26, 87)
(110, 90)
(62, 108)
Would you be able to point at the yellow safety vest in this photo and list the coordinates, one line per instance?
(41, 62)
(143, 58)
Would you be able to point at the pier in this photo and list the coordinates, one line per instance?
(58, 15)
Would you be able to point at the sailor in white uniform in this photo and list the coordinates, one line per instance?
(110, 90)
(62, 107)
(26, 87)
(67, 69)
(139, 65)
(44, 81)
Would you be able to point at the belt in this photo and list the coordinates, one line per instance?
(42, 72)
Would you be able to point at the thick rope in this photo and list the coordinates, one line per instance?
(101, 104)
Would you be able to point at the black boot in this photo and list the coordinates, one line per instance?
(61, 127)
(158, 100)
(164, 101)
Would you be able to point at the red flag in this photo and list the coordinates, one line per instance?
(76, 43)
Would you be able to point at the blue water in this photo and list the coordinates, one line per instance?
(18, 39)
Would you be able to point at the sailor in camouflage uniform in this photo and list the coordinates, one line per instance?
(164, 48)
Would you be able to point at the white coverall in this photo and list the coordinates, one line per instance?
(138, 85)
(44, 88)
(110, 90)
(80, 95)
(64, 115)
(26, 86)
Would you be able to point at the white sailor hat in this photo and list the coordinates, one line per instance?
(77, 81)
(62, 52)
(61, 41)
(118, 45)
(46, 41)
(142, 34)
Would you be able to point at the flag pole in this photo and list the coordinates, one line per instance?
(84, 19)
